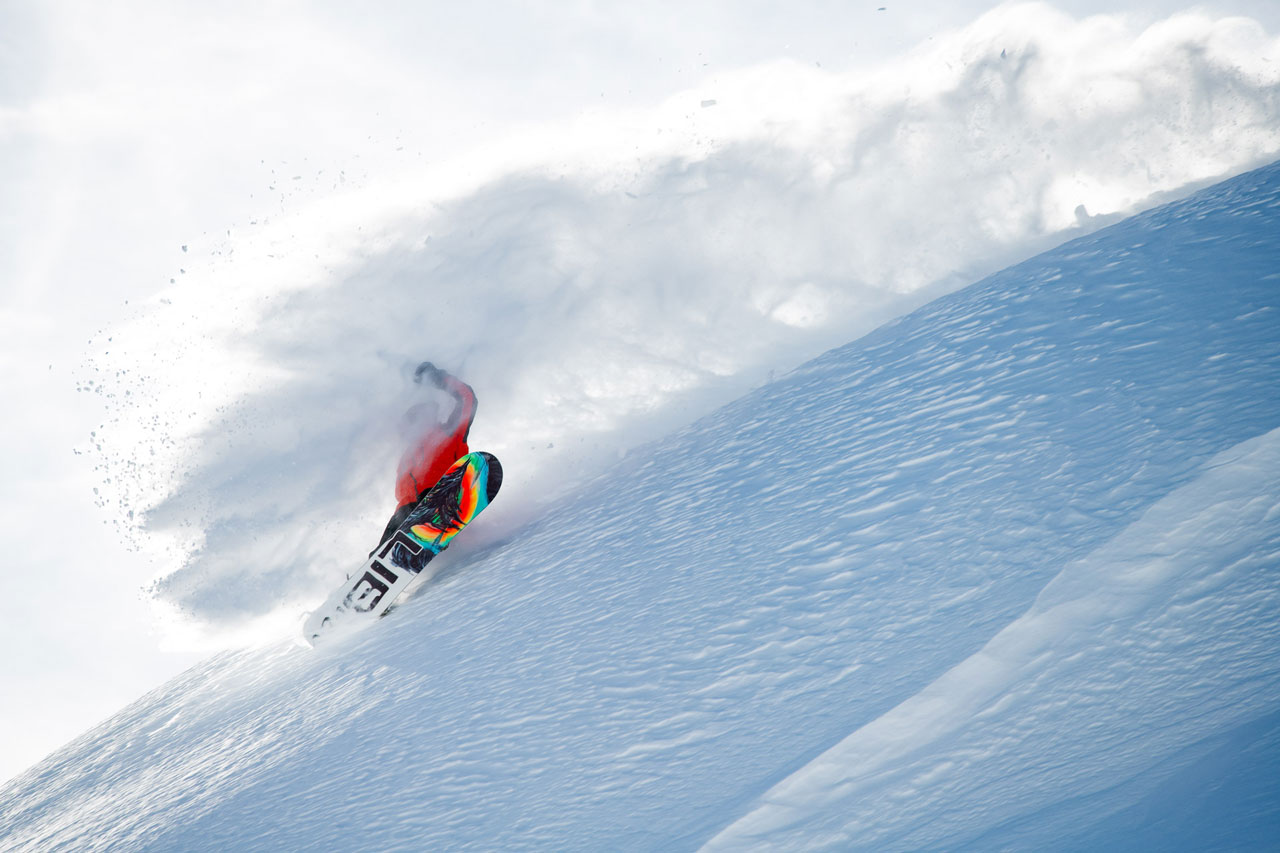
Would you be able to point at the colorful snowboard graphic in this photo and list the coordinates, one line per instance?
(462, 494)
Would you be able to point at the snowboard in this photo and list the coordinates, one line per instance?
(449, 506)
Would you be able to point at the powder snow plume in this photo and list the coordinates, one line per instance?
(603, 282)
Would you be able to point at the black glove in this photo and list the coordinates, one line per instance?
(431, 373)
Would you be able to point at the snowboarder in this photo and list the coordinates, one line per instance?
(441, 486)
(435, 441)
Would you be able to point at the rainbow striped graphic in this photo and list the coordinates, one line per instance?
(462, 493)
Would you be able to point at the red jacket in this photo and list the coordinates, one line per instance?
(434, 450)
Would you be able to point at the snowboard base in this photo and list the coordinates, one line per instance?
(462, 494)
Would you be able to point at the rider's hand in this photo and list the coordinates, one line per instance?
(430, 373)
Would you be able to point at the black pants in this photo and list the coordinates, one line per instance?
(397, 518)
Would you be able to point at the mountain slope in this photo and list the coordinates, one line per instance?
(995, 573)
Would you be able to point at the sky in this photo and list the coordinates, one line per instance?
(142, 143)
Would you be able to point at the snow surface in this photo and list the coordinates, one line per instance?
(1001, 574)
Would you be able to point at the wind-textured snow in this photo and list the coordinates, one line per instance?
(1001, 574)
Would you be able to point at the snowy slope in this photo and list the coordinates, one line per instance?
(1002, 573)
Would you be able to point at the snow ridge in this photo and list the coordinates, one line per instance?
(1092, 647)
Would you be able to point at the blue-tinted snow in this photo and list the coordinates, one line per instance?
(1002, 573)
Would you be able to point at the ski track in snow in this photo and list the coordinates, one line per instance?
(992, 574)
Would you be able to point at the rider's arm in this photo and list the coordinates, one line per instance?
(464, 410)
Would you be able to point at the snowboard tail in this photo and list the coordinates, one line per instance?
(449, 506)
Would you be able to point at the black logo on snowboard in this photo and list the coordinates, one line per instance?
(368, 592)
(402, 551)
(381, 574)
